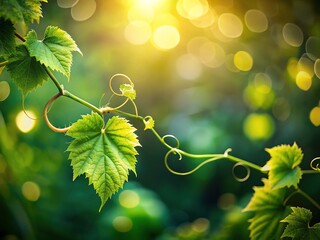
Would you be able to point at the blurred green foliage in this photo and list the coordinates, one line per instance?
(207, 107)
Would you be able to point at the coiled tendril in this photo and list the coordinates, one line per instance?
(316, 167)
(241, 179)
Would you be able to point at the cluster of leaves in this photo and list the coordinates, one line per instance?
(104, 152)
(269, 202)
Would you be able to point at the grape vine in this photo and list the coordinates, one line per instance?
(105, 150)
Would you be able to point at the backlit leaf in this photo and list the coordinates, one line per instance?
(284, 170)
(128, 91)
(105, 154)
(54, 51)
(26, 71)
(26, 11)
(7, 38)
(299, 225)
(269, 210)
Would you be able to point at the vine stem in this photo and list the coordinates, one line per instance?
(309, 198)
(210, 157)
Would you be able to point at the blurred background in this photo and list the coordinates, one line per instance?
(217, 74)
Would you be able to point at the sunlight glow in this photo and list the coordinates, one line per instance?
(129, 199)
(292, 34)
(25, 121)
(243, 61)
(31, 191)
(258, 126)
(141, 13)
(4, 90)
(315, 116)
(137, 32)
(230, 25)
(166, 37)
(256, 21)
(122, 224)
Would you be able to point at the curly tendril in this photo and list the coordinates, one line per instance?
(316, 167)
(121, 94)
(171, 136)
(241, 179)
(180, 153)
(45, 114)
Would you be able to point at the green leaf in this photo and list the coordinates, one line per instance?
(148, 123)
(104, 154)
(26, 11)
(54, 51)
(128, 91)
(7, 38)
(269, 210)
(284, 170)
(299, 225)
(26, 71)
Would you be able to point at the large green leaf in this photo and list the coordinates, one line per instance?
(105, 154)
(54, 51)
(269, 210)
(7, 38)
(284, 170)
(299, 225)
(16, 11)
(26, 71)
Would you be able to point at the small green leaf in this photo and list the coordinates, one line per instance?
(104, 154)
(7, 38)
(148, 122)
(299, 225)
(26, 71)
(268, 208)
(284, 170)
(54, 51)
(128, 91)
(26, 11)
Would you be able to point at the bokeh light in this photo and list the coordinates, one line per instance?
(129, 199)
(83, 10)
(316, 68)
(258, 126)
(243, 60)
(25, 121)
(201, 225)
(122, 224)
(192, 9)
(67, 3)
(313, 47)
(138, 32)
(230, 25)
(166, 37)
(303, 80)
(281, 109)
(256, 21)
(205, 20)
(315, 116)
(211, 54)
(226, 201)
(188, 67)
(4, 90)
(292, 34)
(31, 191)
